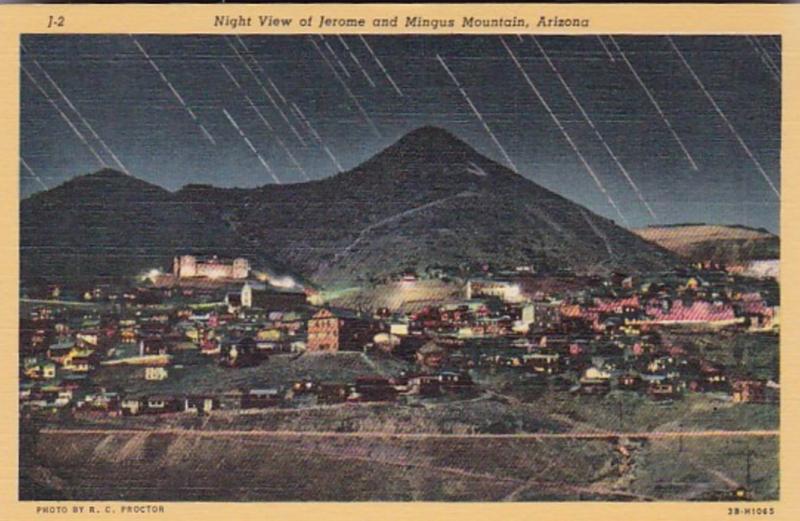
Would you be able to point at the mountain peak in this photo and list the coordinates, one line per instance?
(108, 173)
(432, 138)
(429, 154)
(103, 185)
(430, 132)
(108, 177)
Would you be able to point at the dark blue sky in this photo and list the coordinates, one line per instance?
(357, 112)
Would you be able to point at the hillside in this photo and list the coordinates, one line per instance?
(427, 200)
(718, 243)
(105, 225)
(190, 466)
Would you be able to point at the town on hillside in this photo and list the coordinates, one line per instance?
(215, 336)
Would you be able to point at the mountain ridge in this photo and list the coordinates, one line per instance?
(727, 244)
(427, 200)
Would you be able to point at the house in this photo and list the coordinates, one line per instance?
(261, 398)
(58, 351)
(431, 355)
(131, 406)
(303, 387)
(199, 404)
(338, 330)
(41, 371)
(424, 385)
(78, 364)
(51, 396)
(152, 345)
(630, 382)
(233, 301)
(156, 373)
(454, 381)
(543, 362)
(161, 404)
(104, 400)
(373, 389)
(127, 333)
(434, 384)
(88, 338)
(712, 377)
(594, 386)
(238, 352)
(399, 328)
(332, 392)
(749, 391)
(231, 400)
(663, 390)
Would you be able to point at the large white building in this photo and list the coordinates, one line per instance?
(189, 266)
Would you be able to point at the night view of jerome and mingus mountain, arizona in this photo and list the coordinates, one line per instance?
(399, 268)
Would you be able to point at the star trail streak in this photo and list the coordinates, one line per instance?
(267, 124)
(765, 58)
(477, 114)
(655, 103)
(272, 84)
(595, 129)
(725, 119)
(605, 48)
(77, 113)
(264, 89)
(564, 132)
(349, 92)
(174, 92)
(356, 61)
(66, 119)
(380, 65)
(316, 136)
(252, 147)
(335, 56)
(767, 55)
(33, 174)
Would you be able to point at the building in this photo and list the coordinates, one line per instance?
(161, 404)
(373, 389)
(261, 398)
(131, 406)
(152, 345)
(505, 290)
(238, 352)
(748, 391)
(200, 404)
(156, 373)
(338, 330)
(189, 266)
(431, 355)
(271, 299)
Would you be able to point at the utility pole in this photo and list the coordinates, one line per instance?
(748, 454)
(747, 479)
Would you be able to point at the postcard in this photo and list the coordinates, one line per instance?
(304, 261)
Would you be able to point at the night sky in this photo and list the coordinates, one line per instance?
(689, 148)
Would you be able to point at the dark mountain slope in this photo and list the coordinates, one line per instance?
(106, 225)
(429, 199)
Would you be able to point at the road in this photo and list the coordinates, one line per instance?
(596, 435)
